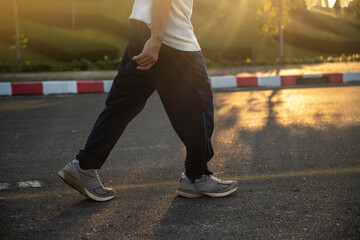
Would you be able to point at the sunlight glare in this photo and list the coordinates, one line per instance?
(331, 3)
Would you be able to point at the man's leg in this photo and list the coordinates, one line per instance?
(127, 97)
(184, 89)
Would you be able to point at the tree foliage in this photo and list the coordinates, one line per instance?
(326, 3)
(268, 14)
(23, 41)
(354, 8)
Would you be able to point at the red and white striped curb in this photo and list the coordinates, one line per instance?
(280, 81)
(74, 87)
(54, 87)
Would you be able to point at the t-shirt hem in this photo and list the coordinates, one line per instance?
(192, 48)
(181, 48)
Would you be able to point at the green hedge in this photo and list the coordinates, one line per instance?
(231, 54)
(326, 46)
(75, 65)
(83, 21)
(84, 64)
(92, 52)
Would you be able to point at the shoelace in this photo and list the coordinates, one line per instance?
(96, 174)
(98, 177)
(215, 178)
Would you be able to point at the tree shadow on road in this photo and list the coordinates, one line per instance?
(301, 138)
(277, 130)
(197, 218)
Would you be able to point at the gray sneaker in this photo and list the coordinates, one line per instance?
(207, 185)
(86, 182)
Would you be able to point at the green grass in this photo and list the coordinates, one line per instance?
(8, 56)
(266, 51)
(65, 45)
(222, 27)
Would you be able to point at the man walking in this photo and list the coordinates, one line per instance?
(163, 55)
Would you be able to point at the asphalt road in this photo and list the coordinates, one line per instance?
(295, 152)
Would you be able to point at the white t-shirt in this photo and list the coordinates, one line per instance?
(179, 32)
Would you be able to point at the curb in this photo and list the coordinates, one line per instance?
(77, 87)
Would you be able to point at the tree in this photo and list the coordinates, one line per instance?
(337, 7)
(326, 3)
(274, 16)
(17, 34)
(73, 13)
(354, 8)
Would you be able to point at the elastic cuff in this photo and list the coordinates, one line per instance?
(192, 176)
(208, 172)
(88, 161)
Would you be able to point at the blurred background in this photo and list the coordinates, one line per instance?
(71, 35)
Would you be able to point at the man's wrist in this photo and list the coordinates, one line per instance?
(157, 38)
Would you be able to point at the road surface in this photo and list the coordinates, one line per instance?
(295, 153)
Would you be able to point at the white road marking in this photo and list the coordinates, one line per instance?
(29, 184)
(4, 186)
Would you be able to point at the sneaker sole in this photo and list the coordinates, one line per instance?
(76, 184)
(188, 194)
(182, 193)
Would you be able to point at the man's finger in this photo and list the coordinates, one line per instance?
(144, 55)
(139, 57)
(143, 61)
(147, 67)
(147, 62)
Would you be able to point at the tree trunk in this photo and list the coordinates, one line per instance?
(73, 14)
(281, 37)
(17, 34)
(337, 7)
(325, 3)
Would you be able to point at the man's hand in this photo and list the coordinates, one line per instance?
(149, 55)
(159, 13)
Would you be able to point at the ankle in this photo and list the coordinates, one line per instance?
(83, 166)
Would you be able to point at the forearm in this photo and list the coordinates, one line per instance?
(159, 14)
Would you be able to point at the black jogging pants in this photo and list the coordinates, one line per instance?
(181, 80)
